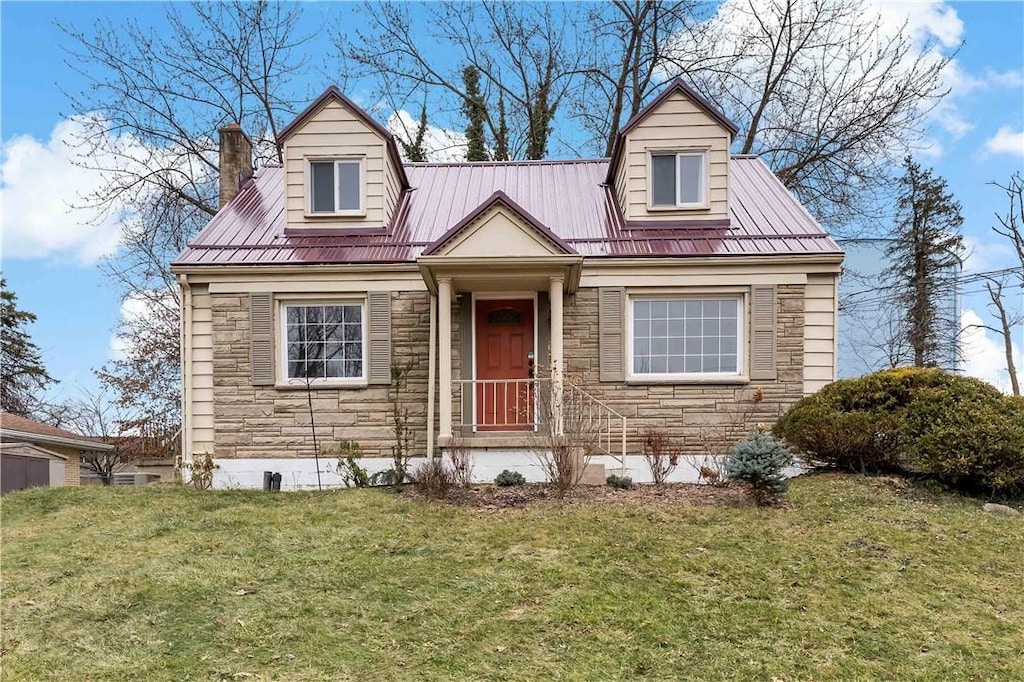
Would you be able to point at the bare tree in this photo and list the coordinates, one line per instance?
(631, 48)
(152, 104)
(822, 90)
(1006, 320)
(521, 52)
(1011, 227)
(1011, 224)
(95, 415)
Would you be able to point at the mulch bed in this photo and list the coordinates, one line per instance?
(491, 497)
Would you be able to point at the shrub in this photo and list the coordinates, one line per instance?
(509, 478)
(661, 453)
(384, 477)
(968, 435)
(959, 429)
(434, 478)
(620, 482)
(857, 424)
(351, 472)
(462, 462)
(201, 471)
(759, 462)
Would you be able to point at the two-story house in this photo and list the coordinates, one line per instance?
(661, 287)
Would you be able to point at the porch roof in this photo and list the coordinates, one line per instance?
(569, 198)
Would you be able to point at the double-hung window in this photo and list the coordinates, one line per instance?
(325, 341)
(677, 180)
(336, 187)
(686, 337)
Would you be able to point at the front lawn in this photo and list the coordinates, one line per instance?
(858, 578)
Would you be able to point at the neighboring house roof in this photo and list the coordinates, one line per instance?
(569, 198)
(15, 428)
(332, 92)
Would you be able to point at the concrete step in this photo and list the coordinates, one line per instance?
(594, 475)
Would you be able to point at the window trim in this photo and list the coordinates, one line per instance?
(284, 381)
(678, 152)
(740, 376)
(350, 212)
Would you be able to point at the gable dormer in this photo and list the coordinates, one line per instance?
(342, 168)
(670, 162)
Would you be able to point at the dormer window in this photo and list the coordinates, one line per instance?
(336, 187)
(678, 180)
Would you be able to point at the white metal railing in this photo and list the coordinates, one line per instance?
(499, 404)
(518, 405)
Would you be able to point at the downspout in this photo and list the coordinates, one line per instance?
(186, 364)
(431, 375)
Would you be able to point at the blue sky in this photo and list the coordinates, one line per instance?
(976, 136)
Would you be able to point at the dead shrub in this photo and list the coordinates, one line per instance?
(661, 452)
(462, 462)
(434, 479)
(563, 454)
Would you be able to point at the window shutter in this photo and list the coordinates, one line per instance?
(611, 323)
(261, 339)
(762, 332)
(378, 304)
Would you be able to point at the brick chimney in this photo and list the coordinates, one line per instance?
(235, 161)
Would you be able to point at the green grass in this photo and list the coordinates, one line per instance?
(857, 579)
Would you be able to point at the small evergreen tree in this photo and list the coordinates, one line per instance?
(23, 375)
(501, 137)
(415, 150)
(475, 110)
(926, 258)
(759, 462)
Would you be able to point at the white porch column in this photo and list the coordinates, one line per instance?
(444, 341)
(557, 359)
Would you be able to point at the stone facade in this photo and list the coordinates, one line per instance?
(266, 422)
(695, 413)
(263, 422)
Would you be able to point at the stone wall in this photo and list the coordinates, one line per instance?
(252, 421)
(265, 422)
(695, 413)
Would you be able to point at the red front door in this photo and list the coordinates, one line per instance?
(504, 344)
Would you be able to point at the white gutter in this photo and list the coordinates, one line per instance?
(27, 436)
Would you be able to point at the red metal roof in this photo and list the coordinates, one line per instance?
(569, 198)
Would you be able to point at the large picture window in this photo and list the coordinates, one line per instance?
(336, 186)
(677, 180)
(684, 336)
(325, 341)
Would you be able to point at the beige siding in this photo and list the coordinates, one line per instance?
(335, 132)
(200, 374)
(677, 125)
(819, 331)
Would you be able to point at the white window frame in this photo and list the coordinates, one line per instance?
(282, 335)
(703, 176)
(337, 160)
(739, 376)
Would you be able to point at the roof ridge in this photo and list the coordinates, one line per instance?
(518, 162)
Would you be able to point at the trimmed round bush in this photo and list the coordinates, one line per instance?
(959, 429)
(968, 435)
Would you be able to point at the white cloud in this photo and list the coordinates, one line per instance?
(984, 353)
(1005, 141)
(42, 192)
(442, 144)
(927, 20)
(152, 310)
(989, 253)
